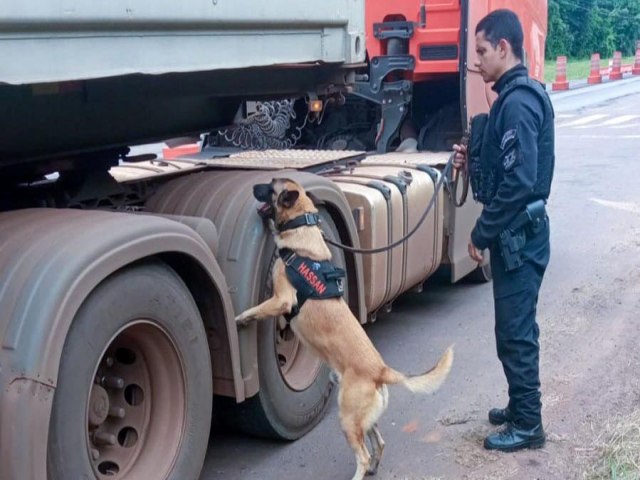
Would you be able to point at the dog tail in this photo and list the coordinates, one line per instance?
(426, 383)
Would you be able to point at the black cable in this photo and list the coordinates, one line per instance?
(438, 186)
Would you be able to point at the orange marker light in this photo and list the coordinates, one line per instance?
(315, 105)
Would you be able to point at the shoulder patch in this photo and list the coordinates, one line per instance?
(509, 160)
(507, 137)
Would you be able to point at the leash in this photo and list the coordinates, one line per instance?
(465, 178)
(443, 177)
(465, 184)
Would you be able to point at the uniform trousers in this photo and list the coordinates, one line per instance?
(515, 299)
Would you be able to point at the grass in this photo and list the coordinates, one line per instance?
(577, 69)
(619, 444)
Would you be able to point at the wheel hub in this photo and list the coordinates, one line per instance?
(130, 432)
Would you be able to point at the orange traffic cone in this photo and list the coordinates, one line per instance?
(594, 76)
(616, 70)
(636, 65)
(561, 82)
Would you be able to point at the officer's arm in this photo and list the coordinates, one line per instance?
(518, 123)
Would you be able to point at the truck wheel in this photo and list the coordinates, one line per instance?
(134, 392)
(295, 388)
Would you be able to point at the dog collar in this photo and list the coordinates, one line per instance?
(308, 219)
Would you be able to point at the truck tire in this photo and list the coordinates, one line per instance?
(295, 388)
(134, 393)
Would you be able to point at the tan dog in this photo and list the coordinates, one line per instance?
(329, 328)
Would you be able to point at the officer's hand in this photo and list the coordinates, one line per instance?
(460, 157)
(475, 253)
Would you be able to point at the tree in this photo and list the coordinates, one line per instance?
(558, 38)
(579, 28)
(576, 14)
(599, 35)
(626, 23)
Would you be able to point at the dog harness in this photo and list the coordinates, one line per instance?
(311, 279)
(307, 219)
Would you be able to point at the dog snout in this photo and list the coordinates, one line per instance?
(263, 192)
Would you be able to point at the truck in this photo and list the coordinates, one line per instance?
(121, 272)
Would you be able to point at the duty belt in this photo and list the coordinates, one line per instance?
(513, 238)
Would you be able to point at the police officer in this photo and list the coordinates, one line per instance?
(512, 180)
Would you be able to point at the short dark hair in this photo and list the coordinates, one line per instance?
(501, 24)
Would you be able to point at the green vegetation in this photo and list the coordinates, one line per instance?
(578, 28)
(619, 447)
(577, 69)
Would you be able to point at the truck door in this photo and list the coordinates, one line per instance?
(475, 98)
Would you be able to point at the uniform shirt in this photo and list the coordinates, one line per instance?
(515, 127)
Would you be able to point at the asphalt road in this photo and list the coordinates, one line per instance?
(585, 312)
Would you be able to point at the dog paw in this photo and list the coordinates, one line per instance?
(374, 463)
(373, 468)
(242, 320)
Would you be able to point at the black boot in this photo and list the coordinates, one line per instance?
(498, 416)
(515, 437)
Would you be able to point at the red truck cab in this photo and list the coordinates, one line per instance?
(430, 44)
(442, 38)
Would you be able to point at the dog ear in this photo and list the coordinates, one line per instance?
(288, 198)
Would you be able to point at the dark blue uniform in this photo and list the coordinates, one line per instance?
(518, 149)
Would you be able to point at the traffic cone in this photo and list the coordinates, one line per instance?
(616, 70)
(594, 76)
(636, 65)
(561, 82)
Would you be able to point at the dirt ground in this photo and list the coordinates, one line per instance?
(588, 311)
(590, 365)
